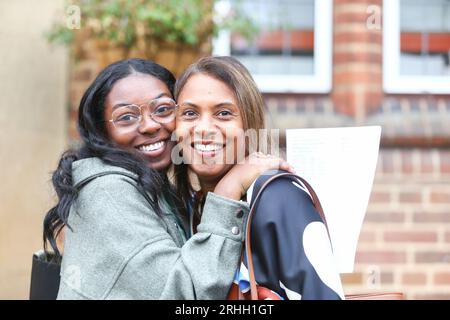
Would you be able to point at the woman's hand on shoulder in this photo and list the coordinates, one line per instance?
(236, 182)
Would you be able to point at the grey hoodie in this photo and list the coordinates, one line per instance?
(117, 247)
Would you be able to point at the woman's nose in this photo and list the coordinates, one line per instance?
(205, 126)
(148, 125)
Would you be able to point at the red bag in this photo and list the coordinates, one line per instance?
(258, 292)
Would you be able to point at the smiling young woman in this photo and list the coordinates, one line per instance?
(210, 124)
(218, 102)
(130, 129)
(125, 228)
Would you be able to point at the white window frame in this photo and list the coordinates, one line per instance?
(320, 81)
(393, 81)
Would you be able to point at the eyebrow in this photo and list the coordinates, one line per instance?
(219, 105)
(122, 104)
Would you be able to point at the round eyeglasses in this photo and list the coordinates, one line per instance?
(128, 117)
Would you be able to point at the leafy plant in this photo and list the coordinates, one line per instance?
(127, 23)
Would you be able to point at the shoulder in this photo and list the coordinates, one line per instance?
(90, 168)
(108, 189)
(94, 178)
(281, 188)
(110, 211)
(283, 199)
(107, 192)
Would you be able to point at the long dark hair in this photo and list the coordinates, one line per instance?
(95, 143)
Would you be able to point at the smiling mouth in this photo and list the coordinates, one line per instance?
(152, 147)
(207, 148)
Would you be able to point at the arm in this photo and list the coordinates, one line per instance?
(291, 249)
(123, 250)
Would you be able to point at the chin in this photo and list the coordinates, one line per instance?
(210, 172)
(160, 164)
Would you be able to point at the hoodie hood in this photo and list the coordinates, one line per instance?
(89, 167)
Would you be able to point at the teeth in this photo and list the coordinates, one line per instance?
(152, 147)
(207, 147)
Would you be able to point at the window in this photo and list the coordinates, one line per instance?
(292, 49)
(416, 46)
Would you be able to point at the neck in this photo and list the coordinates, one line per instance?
(208, 185)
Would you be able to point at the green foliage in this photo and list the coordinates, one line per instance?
(124, 22)
(60, 34)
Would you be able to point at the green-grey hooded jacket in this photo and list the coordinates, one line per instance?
(117, 247)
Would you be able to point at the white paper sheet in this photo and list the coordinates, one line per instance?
(340, 164)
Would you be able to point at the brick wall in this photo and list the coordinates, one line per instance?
(357, 57)
(404, 243)
(405, 240)
(81, 75)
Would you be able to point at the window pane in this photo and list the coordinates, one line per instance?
(425, 37)
(284, 44)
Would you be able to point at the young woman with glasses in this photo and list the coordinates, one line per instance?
(124, 225)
